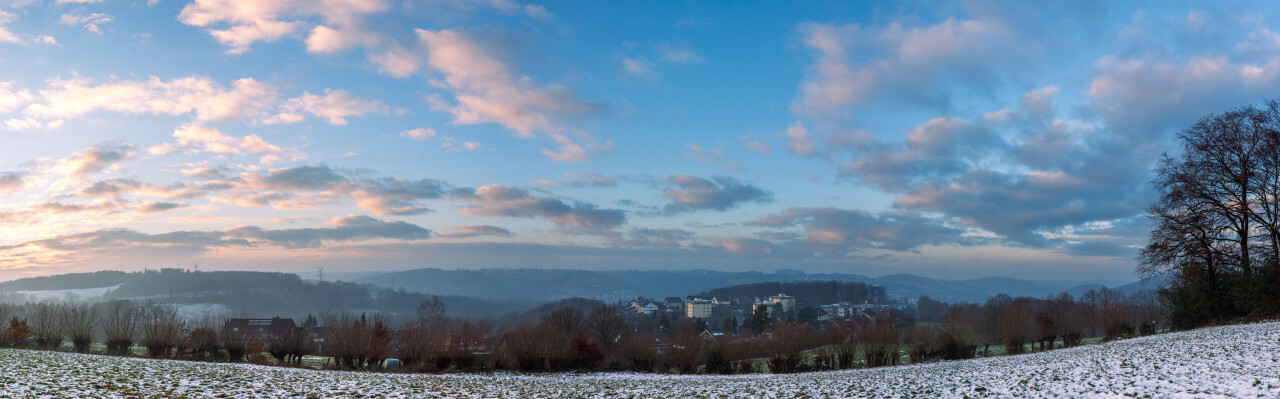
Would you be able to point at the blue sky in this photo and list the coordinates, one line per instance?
(947, 139)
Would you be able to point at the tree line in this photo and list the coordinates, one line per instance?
(604, 338)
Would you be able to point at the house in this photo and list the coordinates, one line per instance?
(712, 335)
(697, 309)
(642, 305)
(260, 328)
(673, 304)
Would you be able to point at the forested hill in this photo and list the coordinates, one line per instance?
(72, 281)
(808, 293)
(263, 293)
(614, 285)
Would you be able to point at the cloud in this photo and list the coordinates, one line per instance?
(308, 186)
(650, 237)
(90, 22)
(239, 24)
(720, 193)
(11, 99)
(638, 68)
(419, 134)
(157, 207)
(7, 36)
(860, 66)
(200, 96)
(581, 179)
(799, 143)
(571, 217)
(12, 182)
(98, 244)
(745, 246)
(95, 159)
(760, 147)
(939, 147)
(333, 107)
(211, 140)
(843, 230)
(678, 54)
(395, 196)
(477, 230)
(452, 145)
(712, 155)
(203, 98)
(487, 90)
(101, 207)
(349, 228)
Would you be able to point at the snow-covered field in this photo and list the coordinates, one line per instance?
(1236, 361)
(81, 294)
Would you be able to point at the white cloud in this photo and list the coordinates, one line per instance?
(486, 90)
(638, 68)
(212, 140)
(90, 22)
(419, 134)
(334, 107)
(679, 54)
(239, 24)
(326, 40)
(857, 66)
(201, 96)
(7, 36)
(538, 12)
(11, 99)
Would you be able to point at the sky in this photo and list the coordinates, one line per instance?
(945, 139)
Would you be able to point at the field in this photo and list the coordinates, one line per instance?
(1234, 361)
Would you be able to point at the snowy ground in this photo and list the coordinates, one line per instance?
(1236, 361)
(81, 294)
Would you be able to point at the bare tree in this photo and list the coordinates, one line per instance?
(7, 309)
(235, 341)
(606, 326)
(417, 344)
(119, 322)
(42, 317)
(638, 349)
(77, 319)
(162, 329)
(347, 339)
(289, 345)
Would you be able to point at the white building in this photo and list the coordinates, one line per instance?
(698, 309)
(788, 302)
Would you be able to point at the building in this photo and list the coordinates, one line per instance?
(771, 309)
(788, 302)
(697, 309)
(643, 305)
(673, 304)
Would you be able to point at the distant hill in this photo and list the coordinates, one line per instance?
(808, 293)
(262, 293)
(614, 285)
(71, 281)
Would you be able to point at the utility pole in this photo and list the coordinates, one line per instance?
(320, 274)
